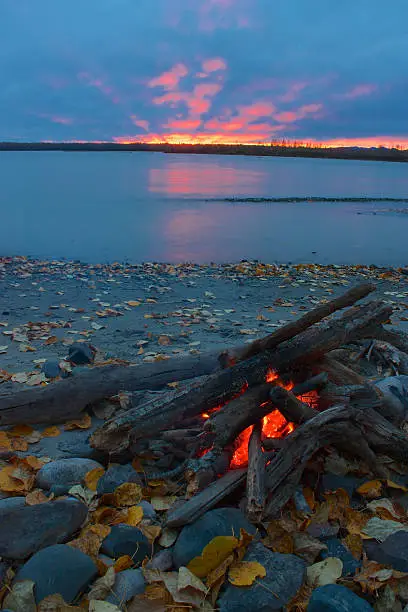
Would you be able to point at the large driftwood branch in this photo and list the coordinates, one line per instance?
(67, 398)
(296, 327)
(255, 490)
(219, 388)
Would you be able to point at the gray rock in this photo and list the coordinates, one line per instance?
(393, 551)
(26, 529)
(323, 531)
(336, 549)
(51, 368)
(126, 540)
(127, 584)
(336, 598)
(65, 473)
(116, 475)
(59, 569)
(8, 503)
(81, 353)
(332, 482)
(76, 444)
(195, 537)
(163, 560)
(284, 577)
(148, 511)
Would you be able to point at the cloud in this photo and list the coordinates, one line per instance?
(300, 113)
(183, 124)
(365, 89)
(100, 85)
(142, 123)
(55, 118)
(213, 65)
(170, 79)
(293, 91)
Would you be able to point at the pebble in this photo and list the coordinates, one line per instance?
(336, 549)
(162, 561)
(220, 522)
(59, 569)
(26, 529)
(148, 511)
(116, 475)
(65, 473)
(336, 598)
(128, 583)
(393, 551)
(284, 577)
(126, 540)
(51, 368)
(8, 503)
(323, 531)
(80, 353)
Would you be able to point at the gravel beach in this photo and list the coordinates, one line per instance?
(148, 312)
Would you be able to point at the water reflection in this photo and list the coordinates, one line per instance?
(204, 178)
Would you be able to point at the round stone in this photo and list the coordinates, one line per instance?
(65, 473)
(126, 540)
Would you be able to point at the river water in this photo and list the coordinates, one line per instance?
(156, 207)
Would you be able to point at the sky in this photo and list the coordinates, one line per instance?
(213, 71)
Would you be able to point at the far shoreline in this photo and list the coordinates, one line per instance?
(268, 150)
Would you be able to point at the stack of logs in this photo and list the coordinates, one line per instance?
(333, 356)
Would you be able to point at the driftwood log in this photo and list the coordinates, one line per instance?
(219, 388)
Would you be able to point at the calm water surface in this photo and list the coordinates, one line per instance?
(151, 206)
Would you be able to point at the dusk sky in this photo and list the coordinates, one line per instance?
(204, 70)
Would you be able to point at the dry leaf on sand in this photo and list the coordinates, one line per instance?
(21, 597)
(102, 587)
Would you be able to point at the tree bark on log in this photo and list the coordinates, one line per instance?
(67, 398)
(288, 404)
(221, 387)
(255, 489)
(339, 373)
(294, 328)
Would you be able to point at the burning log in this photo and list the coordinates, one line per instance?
(221, 387)
(294, 328)
(288, 404)
(255, 490)
(316, 383)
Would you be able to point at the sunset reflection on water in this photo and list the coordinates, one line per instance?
(205, 178)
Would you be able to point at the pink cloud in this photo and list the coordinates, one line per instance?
(170, 79)
(145, 125)
(183, 124)
(198, 101)
(358, 91)
(99, 84)
(258, 109)
(300, 113)
(56, 118)
(212, 65)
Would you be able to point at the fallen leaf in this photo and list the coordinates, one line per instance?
(194, 594)
(5, 442)
(245, 573)
(123, 563)
(128, 494)
(51, 432)
(394, 485)
(339, 503)
(133, 303)
(34, 462)
(151, 532)
(164, 340)
(90, 540)
(21, 597)
(307, 547)
(168, 537)
(380, 529)
(85, 495)
(355, 520)
(51, 340)
(92, 478)
(8, 483)
(355, 545)
(20, 430)
(218, 574)
(213, 555)
(19, 377)
(380, 505)
(278, 539)
(371, 489)
(19, 444)
(163, 503)
(109, 516)
(84, 423)
(134, 516)
(97, 605)
(36, 497)
(324, 572)
(55, 603)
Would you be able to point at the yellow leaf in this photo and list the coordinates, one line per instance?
(128, 494)
(355, 545)
(173, 385)
(245, 573)
(90, 540)
(51, 340)
(84, 423)
(51, 432)
(213, 555)
(133, 303)
(92, 478)
(370, 489)
(5, 442)
(19, 444)
(394, 485)
(134, 516)
(355, 520)
(33, 462)
(151, 532)
(109, 516)
(8, 483)
(123, 563)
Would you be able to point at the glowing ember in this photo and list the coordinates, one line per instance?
(205, 415)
